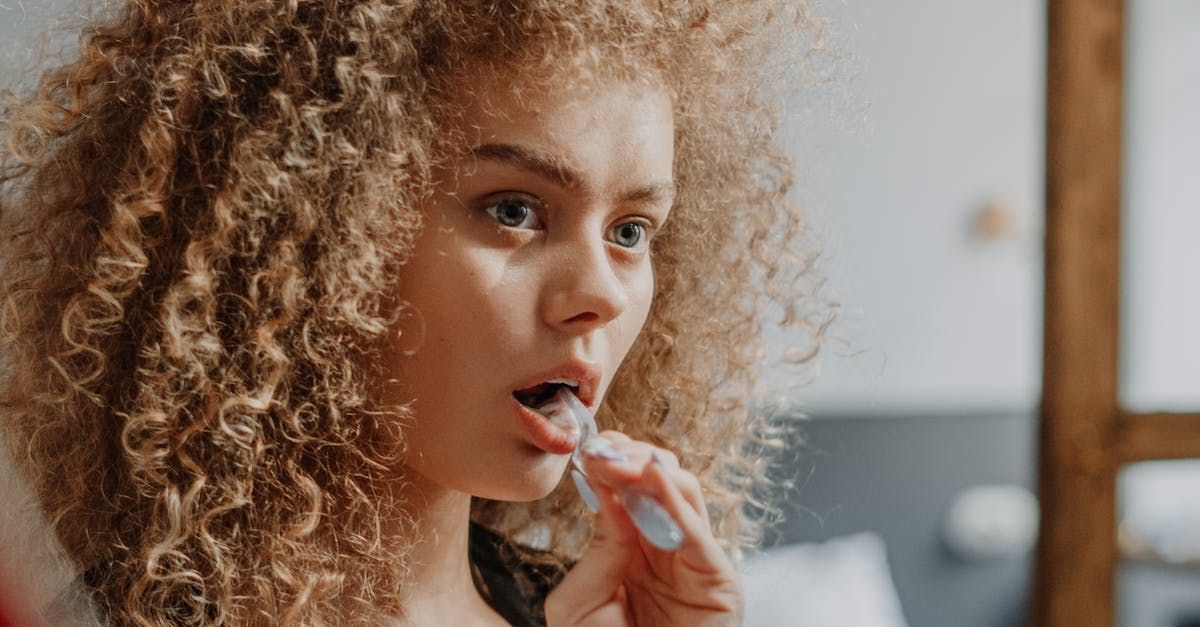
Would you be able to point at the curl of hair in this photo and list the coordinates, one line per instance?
(203, 212)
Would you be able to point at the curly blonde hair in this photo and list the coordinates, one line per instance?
(203, 212)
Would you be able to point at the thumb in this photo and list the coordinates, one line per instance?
(595, 580)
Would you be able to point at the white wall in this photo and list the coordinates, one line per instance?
(1161, 286)
(1162, 207)
(948, 119)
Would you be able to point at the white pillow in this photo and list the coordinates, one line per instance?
(844, 581)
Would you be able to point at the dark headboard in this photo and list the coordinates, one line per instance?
(896, 475)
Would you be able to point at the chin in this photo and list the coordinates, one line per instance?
(528, 484)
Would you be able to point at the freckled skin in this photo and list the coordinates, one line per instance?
(502, 303)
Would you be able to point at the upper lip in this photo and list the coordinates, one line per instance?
(587, 373)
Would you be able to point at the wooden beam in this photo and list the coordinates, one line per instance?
(1144, 437)
(1077, 462)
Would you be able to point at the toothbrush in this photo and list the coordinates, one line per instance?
(652, 520)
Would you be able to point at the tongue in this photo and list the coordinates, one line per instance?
(558, 411)
(566, 411)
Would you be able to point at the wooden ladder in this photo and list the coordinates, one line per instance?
(1085, 436)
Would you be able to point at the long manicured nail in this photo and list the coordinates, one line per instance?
(585, 491)
(603, 449)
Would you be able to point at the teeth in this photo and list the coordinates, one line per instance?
(571, 382)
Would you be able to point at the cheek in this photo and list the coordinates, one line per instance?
(640, 301)
(454, 287)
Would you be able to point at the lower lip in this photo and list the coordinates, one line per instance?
(550, 438)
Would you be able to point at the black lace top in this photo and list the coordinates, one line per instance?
(515, 589)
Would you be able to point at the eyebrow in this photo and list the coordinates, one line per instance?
(555, 170)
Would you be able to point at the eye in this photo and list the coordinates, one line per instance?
(515, 213)
(629, 234)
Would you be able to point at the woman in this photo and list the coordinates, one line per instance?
(286, 281)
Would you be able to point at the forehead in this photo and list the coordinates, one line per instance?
(600, 126)
(517, 98)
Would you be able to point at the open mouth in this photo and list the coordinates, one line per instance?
(537, 396)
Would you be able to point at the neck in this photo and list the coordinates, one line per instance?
(440, 589)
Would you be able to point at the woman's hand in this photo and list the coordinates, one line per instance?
(624, 580)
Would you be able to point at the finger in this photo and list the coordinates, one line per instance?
(699, 548)
(616, 437)
(614, 464)
(689, 486)
(637, 449)
(618, 469)
(596, 578)
(617, 460)
(666, 457)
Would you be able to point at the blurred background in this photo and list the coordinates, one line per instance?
(921, 166)
(925, 178)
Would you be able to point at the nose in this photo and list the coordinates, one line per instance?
(584, 290)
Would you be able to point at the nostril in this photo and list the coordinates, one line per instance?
(587, 316)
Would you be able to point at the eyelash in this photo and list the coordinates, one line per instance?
(647, 226)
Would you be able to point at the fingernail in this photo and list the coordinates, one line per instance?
(603, 449)
(585, 491)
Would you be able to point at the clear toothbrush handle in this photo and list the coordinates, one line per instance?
(585, 491)
(652, 520)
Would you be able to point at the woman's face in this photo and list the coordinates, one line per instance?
(532, 266)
